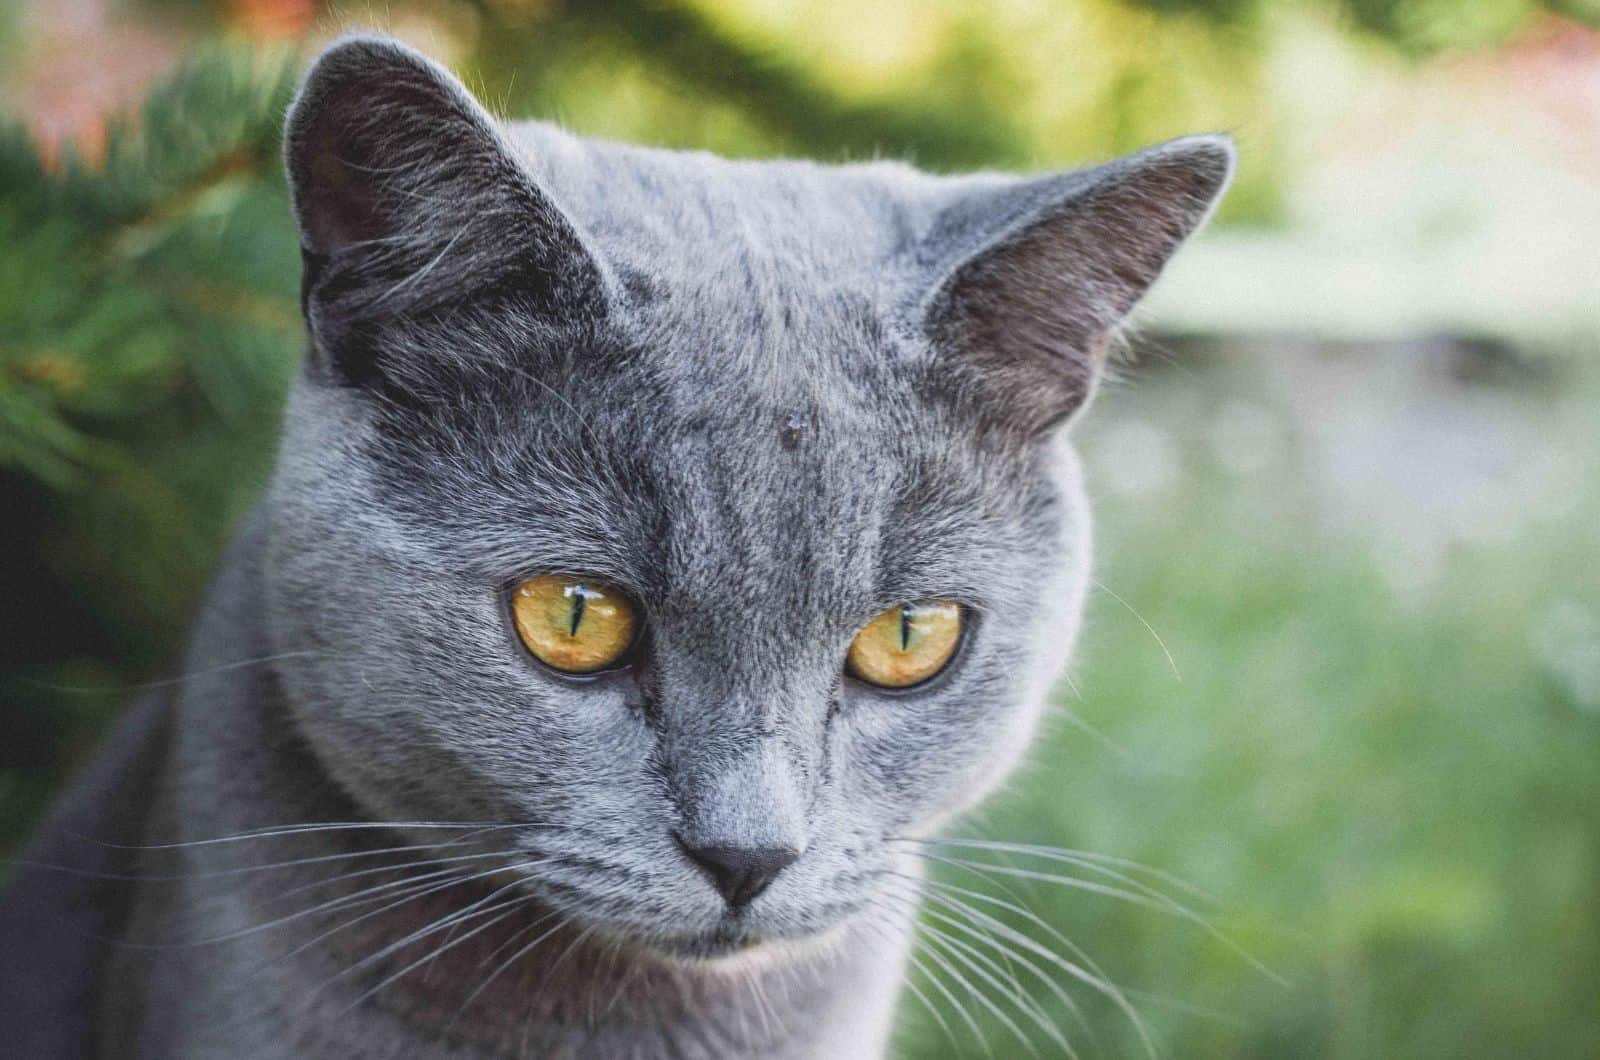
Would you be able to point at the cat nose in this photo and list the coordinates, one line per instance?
(740, 873)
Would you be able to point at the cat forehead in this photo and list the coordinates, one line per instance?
(616, 466)
(745, 275)
(661, 209)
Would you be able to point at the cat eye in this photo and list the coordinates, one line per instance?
(906, 645)
(574, 625)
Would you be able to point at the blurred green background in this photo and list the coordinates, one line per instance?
(1342, 672)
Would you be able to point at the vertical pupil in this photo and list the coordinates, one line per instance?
(580, 598)
(905, 628)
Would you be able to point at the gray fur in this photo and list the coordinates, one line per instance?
(769, 400)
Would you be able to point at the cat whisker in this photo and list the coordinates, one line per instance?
(880, 930)
(911, 982)
(504, 909)
(427, 974)
(1200, 1012)
(1102, 985)
(1171, 662)
(1083, 858)
(411, 887)
(929, 1006)
(304, 829)
(982, 934)
(958, 896)
(613, 959)
(987, 968)
(378, 870)
(572, 946)
(1123, 755)
(1131, 890)
(456, 879)
(168, 682)
(914, 958)
(966, 984)
(445, 921)
(1018, 907)
(498, 950)
(365, 896)
(509, 961)
(375, 893)
(1059, 879)
(238, 870)
(1149, 898)
(550, 972)
(914, 955)
(321, 859)
(1011, 940)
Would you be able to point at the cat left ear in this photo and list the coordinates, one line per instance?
(409, 199)
(1032, 278)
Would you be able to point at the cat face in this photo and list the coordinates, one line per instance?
(753, 409)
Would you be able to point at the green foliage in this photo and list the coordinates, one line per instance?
(151, 326)
(125, 271)
(983, 90)
(1417, 26)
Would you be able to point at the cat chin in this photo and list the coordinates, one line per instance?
(739, 953)
(726, 950)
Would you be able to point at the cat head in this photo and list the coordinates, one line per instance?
(751, 408)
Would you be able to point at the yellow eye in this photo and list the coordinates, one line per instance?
(573, 625)
(906, 645)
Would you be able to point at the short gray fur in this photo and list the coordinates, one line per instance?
(770, 400)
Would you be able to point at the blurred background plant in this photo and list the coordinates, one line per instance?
(1343, 673)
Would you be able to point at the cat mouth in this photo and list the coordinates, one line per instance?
(735, 933)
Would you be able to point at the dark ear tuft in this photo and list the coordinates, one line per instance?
(1033, 277)
(409, 199)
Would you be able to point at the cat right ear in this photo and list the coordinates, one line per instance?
(410, 202)
(1031, 278)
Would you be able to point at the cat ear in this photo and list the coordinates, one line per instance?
(409, 200)
(1032, 278)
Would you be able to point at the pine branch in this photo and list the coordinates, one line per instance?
(106, 259)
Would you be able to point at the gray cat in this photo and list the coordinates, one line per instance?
(659, 546)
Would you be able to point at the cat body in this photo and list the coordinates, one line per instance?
(768, 400)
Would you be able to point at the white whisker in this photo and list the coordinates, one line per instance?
(508, 962)
(510, 907)
(303, 829)
(1134, 612)
(1150, 898)
(1084, 858)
